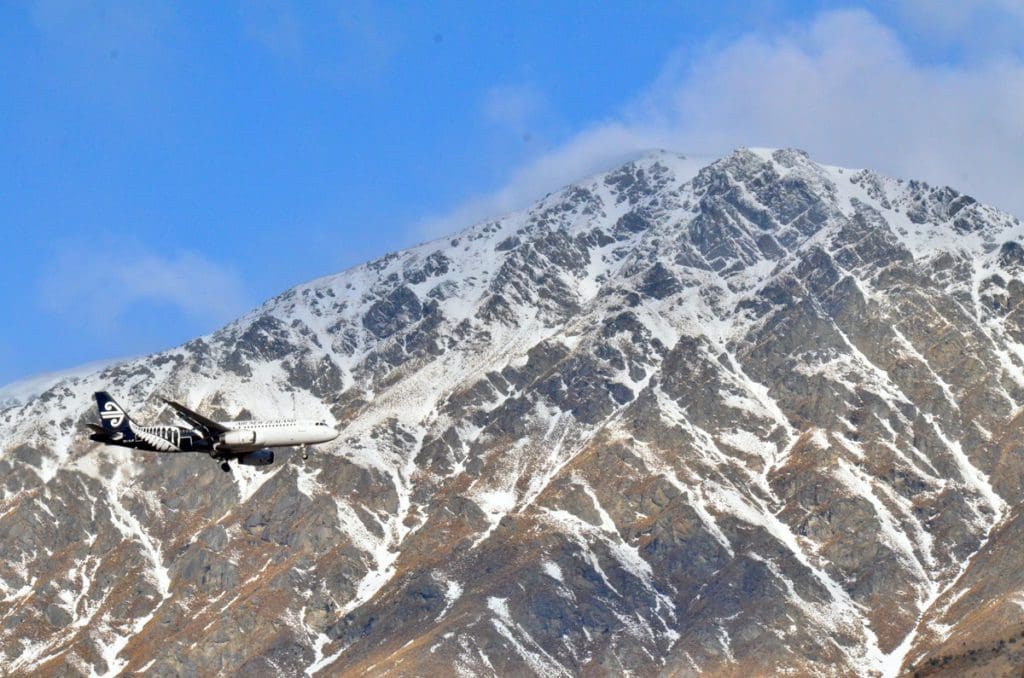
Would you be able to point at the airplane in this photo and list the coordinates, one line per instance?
(244, 442)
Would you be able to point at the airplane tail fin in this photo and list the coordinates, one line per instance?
(115, 419)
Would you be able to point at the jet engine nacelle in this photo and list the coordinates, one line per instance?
(257, 458)
(238, 438)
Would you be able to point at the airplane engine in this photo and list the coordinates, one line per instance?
(257, 458)
(238, 438)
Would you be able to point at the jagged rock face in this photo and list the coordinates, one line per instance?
(750, 417)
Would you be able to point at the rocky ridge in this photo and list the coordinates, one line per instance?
(753, 415)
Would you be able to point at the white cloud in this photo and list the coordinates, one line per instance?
(97, 287)
(842, 86)
(845, 89)
(951, 19)
(512, 106)
(599, 148)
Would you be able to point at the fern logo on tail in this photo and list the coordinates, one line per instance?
(112, 413)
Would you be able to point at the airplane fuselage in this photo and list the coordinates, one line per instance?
(241, 437)
(245, 436)
(162, 439)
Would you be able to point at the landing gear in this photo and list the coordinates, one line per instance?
(225, 467)
(305, 452)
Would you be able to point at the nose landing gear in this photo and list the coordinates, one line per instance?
(225, 467)
(305, 452)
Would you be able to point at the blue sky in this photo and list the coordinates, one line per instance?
(167, 166)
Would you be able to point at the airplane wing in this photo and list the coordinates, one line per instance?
(211, 428)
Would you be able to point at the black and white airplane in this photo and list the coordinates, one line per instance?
(245, 442)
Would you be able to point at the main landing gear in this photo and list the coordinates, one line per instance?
(224, 466)
(305, 452)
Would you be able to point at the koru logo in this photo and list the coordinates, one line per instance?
(112, 413)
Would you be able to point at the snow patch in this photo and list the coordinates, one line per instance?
(553, 570)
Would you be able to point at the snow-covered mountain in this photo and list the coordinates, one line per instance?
(754, 416)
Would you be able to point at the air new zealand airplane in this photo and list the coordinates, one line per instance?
(245, 442)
